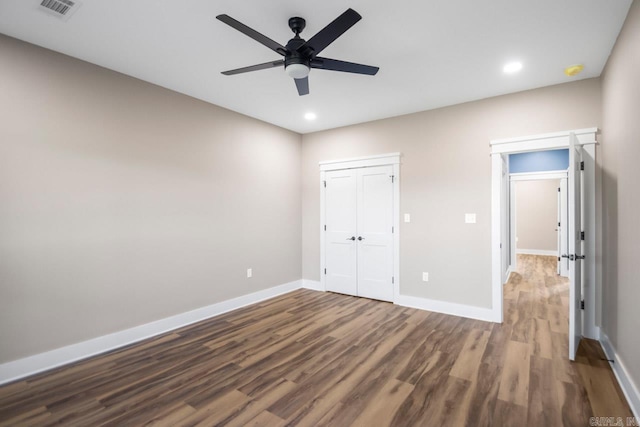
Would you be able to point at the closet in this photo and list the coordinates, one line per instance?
(358, 230)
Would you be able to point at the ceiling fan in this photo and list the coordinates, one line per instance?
(300, 55)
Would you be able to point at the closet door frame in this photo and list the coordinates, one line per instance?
(389, 159)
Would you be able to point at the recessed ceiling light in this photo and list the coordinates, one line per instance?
(512, 67)
(573, 70)
(310, 116)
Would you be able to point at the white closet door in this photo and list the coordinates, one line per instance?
(340, 217)
(375, 237)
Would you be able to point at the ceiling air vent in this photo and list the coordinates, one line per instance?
(61, 8)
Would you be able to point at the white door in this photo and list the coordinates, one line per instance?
(559, 233)
(575, 243)
(375, 232)
(359, 232)
(340, 235)
(564, 228)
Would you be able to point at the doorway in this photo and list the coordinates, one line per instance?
(582, 187)
(538, 216)
(359, 234)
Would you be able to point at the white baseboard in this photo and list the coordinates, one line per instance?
(510, 271)
(537, 252)
(629, 388)
(451, 308)
(314, 285)
(27, 366)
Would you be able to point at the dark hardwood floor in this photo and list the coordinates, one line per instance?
(311, 358)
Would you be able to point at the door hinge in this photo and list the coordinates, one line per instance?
(392, 178)
(558, 189)
(392, 230)
(582, 304)
(581, 166)
(558, 224)
(558, 258)
(325, 227)
(393, 280)
(325, 184)
(325, 271)
(582, 235)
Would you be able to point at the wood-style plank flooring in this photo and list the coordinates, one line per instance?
(310, 358)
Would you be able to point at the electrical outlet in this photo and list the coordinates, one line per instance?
(425, 277)
(249, 272)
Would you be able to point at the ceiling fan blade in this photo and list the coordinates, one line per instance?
(303, 86)
(335, 29)
(347, 67)
(260, 38)
(266, 65)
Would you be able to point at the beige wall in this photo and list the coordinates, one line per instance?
(621, 196)
(122, 202)
(445, 173)
(537, 214)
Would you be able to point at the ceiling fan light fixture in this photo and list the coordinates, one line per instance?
(297, 71)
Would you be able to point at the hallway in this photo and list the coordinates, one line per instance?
(536, 320)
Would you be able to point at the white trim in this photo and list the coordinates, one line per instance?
(27, 366)
(534, 176)
(547, 141)
(591, 270)
(453, 309)
(392, 159)
(512, 229)
(496, 252)
(542, 136)
(629, 388)
(314, 285)
(510, 271)
(359, 162)
(537, 252)
(396, 234)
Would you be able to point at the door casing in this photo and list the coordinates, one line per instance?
(592, 276)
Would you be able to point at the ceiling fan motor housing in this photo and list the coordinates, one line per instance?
(297, 64)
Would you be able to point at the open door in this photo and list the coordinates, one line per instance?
(563, 229)
(559, 233)
(575, 245)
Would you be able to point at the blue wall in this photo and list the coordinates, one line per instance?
(539, 161)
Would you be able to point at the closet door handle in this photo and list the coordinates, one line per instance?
(360, 238)
(351, 238)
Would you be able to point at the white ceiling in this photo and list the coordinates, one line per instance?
(431, 53)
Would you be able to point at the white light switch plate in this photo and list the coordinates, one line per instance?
(249, 272)
(470, 218)
(407, 218)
